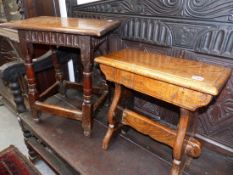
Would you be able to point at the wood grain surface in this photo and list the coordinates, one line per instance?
(190, 74)
(177, 95)
(185, 83)
(94, 27)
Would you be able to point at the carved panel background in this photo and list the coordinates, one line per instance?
(216, 42)
(216, 122)
(152, 31)
(207, 38)
(191, 29)
(191, 9)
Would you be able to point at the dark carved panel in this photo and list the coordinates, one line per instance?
(216, 42)
(53, 38)
(61, 39)
(149, 30)
(192, 35)
(69, 5)
(216, 122)
(188, 9)
(190, 29)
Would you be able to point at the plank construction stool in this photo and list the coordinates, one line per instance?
(184, 83)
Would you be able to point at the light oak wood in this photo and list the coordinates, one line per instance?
(190, 74)
(185, 83)
(81, 26)
(179, 145)
(111, 117)
(183, 97)
(160, 132)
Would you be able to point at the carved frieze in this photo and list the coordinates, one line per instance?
(59, 39)
(144, 7)
(190, 9)
(208, 38)
(209, 9)
(147, 30)
(186, 35)
(216, 42)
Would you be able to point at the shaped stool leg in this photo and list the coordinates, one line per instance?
(179, 146)
(111, 116)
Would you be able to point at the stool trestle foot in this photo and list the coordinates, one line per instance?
(111, 117)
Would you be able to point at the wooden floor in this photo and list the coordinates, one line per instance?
(129, 154)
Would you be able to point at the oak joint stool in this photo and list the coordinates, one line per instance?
(185, 83)
(83, 34)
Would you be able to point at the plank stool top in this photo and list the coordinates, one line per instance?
(185, 83)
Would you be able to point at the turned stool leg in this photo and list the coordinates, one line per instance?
(179, 146)
(87, 105)
(59, 74)
(27, 50)
(111, 117)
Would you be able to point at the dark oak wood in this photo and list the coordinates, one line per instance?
(91, 27)
(193, 85)
(84, 34)
(38, 8)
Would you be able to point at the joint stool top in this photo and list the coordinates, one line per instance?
(189, 74)
(81, 26)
